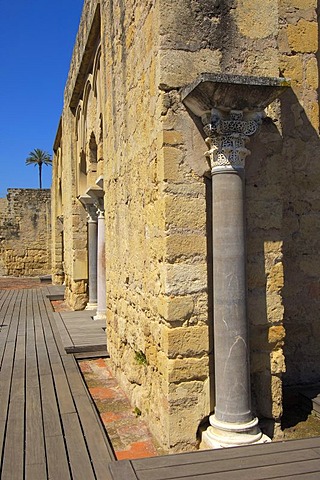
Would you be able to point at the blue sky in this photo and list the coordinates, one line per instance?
(36, 43)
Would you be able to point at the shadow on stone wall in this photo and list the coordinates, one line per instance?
(301, 244)
(208, 184)
(264, 181)
(283, 220)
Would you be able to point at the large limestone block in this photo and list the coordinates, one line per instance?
(168, 164)
(188, 406)
(185, 341)
(258, 19)
(275, 280)
(275, 308)
(276, 334)
(185, 213)
(277, 362)
(298, 4)
(183, 369)
(185, 246)
(184, 279)
(173, 308)
(180, 67)
(303, 37)
(293, 67)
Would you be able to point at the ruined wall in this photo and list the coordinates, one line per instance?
(25, 238)
(158, 198)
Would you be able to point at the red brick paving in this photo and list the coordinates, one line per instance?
(138, 450)
(127, 431)
(17, 283)
(60, 306)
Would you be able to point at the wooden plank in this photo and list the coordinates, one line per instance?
(36, 472)
(14, 436)
(77, 451)
(5, 385)
(63, 332)
(34, 441)
(100, 450)
(74, 377)
(228, 465)
(4, 303)
(301, 476)
(65, 399)
(34, 444)
(88, 355)
(259, 473)
(12, 332)
(220, 454)
(57, 463)
(79, 333)
(54, 348)
(44, 366)
(51, 415)
(56, 290)
(98, 444)
(122, 470)
(87, 348)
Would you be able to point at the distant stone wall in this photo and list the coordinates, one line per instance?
(25, 232)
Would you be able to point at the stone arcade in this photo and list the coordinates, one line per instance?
(172, 250)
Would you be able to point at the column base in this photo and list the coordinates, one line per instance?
(100, 316)
(224, 435)
(91, 306)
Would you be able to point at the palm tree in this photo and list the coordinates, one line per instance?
(39, 157)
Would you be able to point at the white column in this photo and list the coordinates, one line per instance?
(101, 278)
(92, 256)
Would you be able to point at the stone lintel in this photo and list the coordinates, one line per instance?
(95, 192)
(86, 200)
(99, 181)
(231, 92)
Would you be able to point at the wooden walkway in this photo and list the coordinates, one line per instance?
(295, 459)
(49, 428)
(81, 334)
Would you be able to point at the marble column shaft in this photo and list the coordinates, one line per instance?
(101, 309)
(230, 319)
(92, 257)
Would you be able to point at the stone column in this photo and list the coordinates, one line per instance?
(101, 309)
(233, 422)
(230, 108)
(92, 256)
(88, 204)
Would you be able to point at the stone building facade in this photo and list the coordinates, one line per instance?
(25, 232)
(132, 199)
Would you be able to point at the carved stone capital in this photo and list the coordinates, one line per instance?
(91, 213)
(100, 212)
(227, 136)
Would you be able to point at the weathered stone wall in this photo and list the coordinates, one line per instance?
(299, 60)
(156, 231)
(158, 198)
(25, 238)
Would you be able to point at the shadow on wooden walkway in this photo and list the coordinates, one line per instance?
(49, 427)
